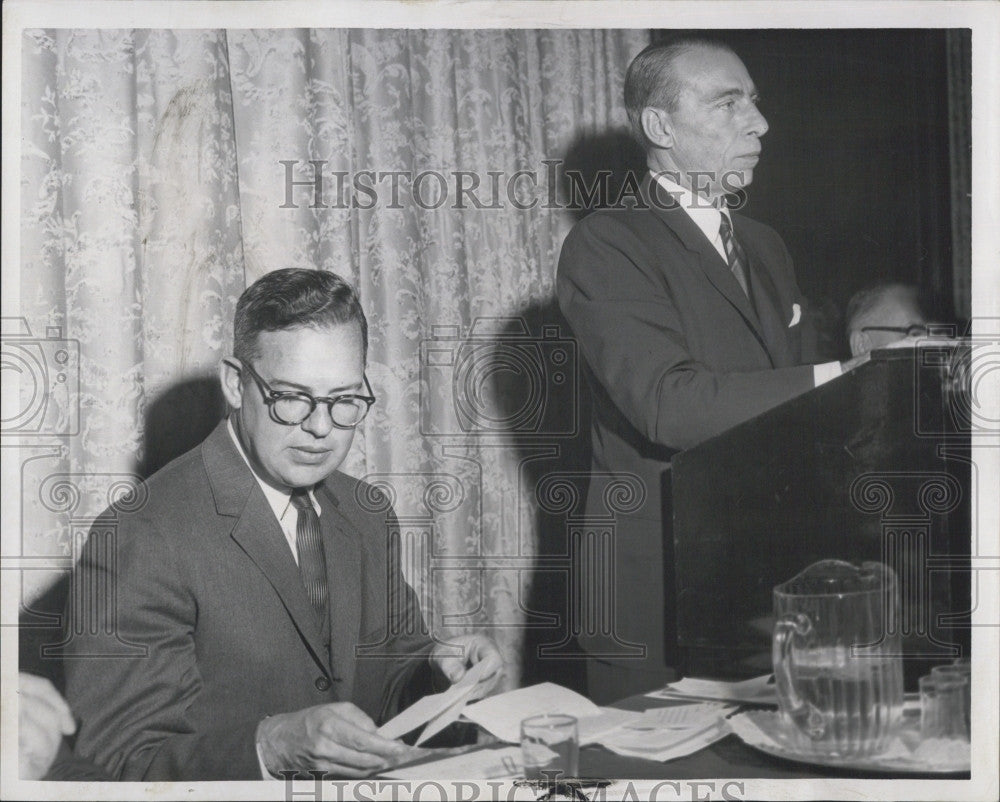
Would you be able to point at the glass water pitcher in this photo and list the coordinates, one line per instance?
(837, 658)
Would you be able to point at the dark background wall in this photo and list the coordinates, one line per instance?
(855, 173)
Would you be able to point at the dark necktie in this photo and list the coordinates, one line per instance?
(312, 562)
(734, 253)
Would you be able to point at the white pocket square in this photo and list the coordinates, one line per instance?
(796, 315)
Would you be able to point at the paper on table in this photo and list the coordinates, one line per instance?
(681, 717)
(502, 714)
(758, 690)
(443, 719)
(591, 729)
(485, 764)
(666, 744)
(438, 705)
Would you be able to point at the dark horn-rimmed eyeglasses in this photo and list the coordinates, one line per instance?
(292, 407)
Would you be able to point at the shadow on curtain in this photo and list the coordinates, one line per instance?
(162, 171)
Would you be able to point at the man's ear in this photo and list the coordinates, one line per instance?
(860, 342)
(657, 126)
(229, 378)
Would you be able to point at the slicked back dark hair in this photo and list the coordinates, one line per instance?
(651, 80)
(293, 298)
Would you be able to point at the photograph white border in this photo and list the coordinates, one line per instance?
(982, 17)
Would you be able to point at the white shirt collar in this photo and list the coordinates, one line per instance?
(698, 208)
(279, 501)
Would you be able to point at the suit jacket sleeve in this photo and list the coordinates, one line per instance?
(612, 292)
(134, 710)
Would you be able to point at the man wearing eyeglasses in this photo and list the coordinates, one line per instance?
(883, 315)
(262, 618)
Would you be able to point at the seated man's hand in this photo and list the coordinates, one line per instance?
(338, 738)
(44, 719)
(476, 648)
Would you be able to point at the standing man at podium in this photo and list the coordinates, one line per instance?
(690, 321)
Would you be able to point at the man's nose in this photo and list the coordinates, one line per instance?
(756, 124)
(319, 423)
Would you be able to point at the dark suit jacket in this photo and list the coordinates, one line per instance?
(70, 767)
(207, 587)
(675, 354)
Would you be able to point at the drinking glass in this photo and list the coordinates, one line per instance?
(550, 747)
(955, 708)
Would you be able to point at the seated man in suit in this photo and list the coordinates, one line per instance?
(882, 315)
(690, 321)
(259, 593)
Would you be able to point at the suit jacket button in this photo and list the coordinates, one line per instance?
(322, 684)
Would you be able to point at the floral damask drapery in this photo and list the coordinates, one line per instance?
(163, 171)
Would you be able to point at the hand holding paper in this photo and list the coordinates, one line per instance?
(437, 710)
(336, 737)
(464, 653)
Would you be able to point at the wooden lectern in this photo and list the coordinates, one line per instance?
(874, 465)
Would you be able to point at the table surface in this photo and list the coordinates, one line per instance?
(727, 758)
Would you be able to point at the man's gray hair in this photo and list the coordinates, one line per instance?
(651, 80)
(865, 303)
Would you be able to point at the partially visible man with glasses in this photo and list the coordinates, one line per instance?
(263, 624)
(884, 314)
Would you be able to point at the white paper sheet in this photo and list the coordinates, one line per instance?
(663, 745)
(759, 690)
(665, 733)
(481, 764)
(681, 717)
(442, 720)
(591, 729)
(435, 706)
(502, 714)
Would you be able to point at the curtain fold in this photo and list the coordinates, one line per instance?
(163, 171)
(130, 250)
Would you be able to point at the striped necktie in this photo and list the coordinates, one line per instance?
(734, 253)
(312, 561)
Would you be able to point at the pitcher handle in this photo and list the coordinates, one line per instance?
(803, 713)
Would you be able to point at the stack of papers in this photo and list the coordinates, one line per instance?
(480, 764)
(757, 691)
(666, 733)
(502, 714)
(658, 734)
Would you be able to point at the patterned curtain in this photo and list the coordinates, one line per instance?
(163, 171)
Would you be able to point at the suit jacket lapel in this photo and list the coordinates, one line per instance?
(714, 266)
(343, 569)
(768, 303)
(257, 532)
